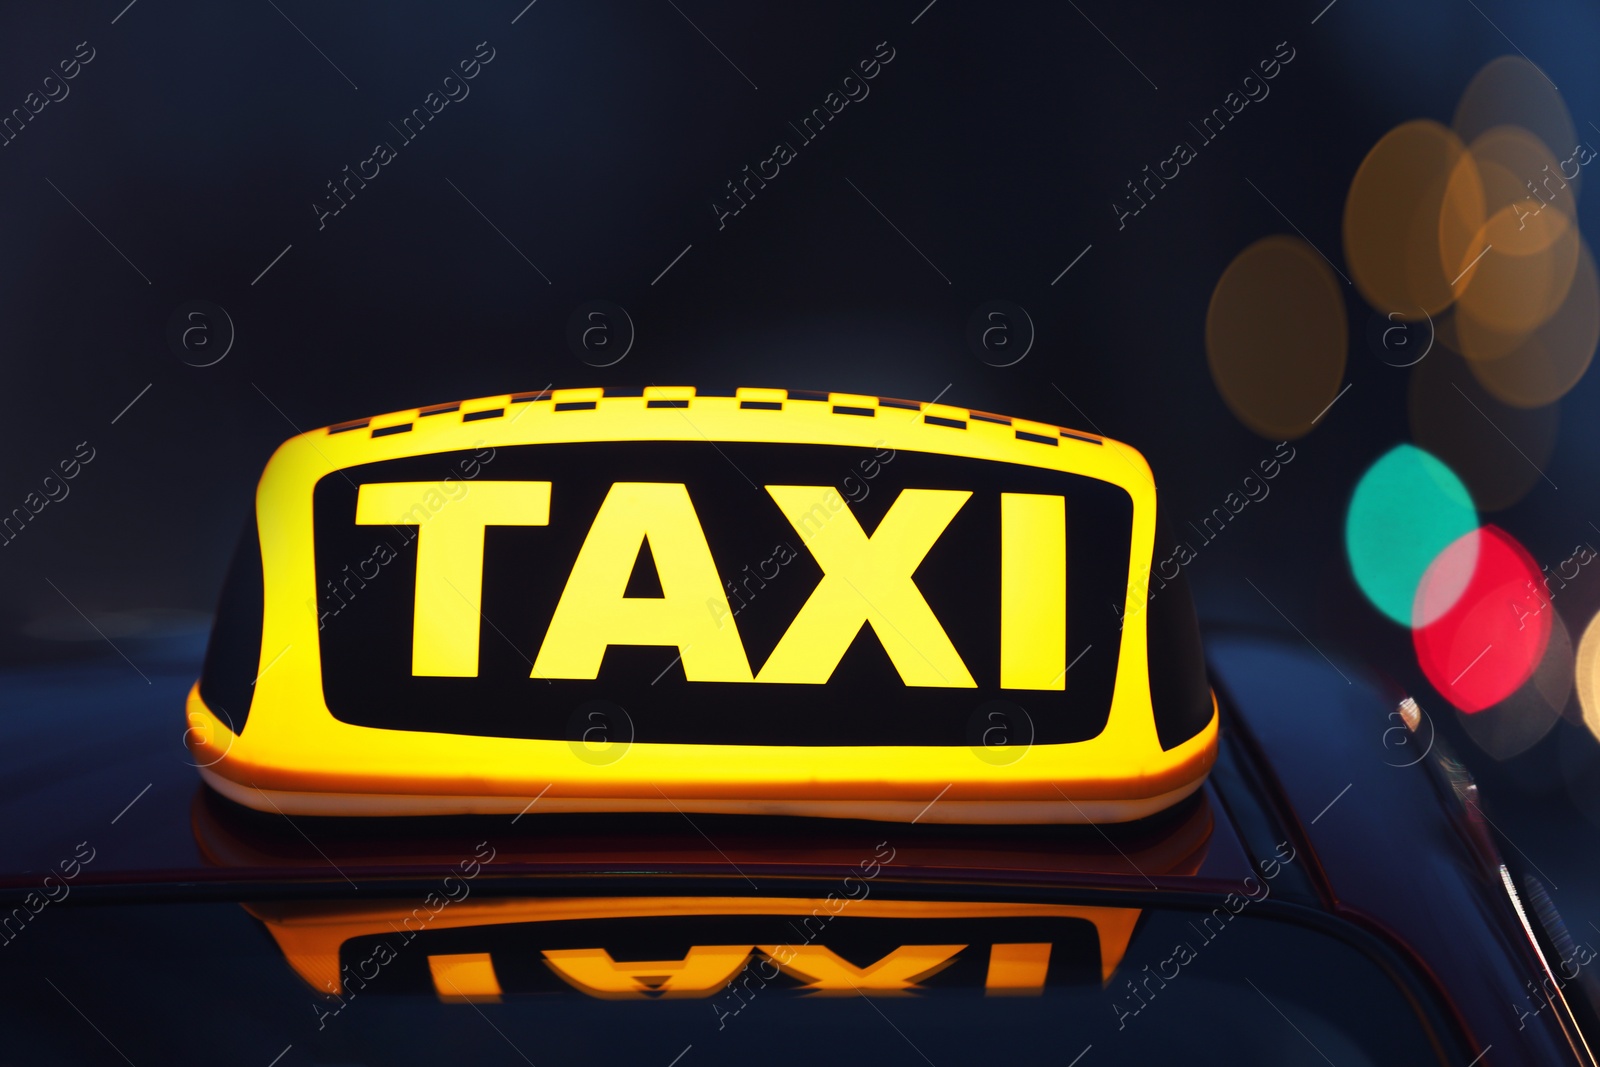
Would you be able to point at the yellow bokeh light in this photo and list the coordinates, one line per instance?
(1408, 182)
(1276, 336)
(1539, 368)
(1588, 675)
(1524, 267)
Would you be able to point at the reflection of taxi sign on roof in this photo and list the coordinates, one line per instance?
(480, 950)
(774, 601)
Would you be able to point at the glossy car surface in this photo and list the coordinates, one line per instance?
(1321, 899)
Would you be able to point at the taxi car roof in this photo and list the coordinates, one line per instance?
(90, 756)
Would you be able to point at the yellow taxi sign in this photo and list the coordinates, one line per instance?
(776, 601)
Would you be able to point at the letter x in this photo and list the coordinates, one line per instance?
(867, 580)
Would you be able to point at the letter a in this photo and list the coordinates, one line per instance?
(593, 613)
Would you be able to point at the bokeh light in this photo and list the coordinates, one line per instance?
(1497, 450)
(1276, 335)
(1522, 719)
(1538, 368)
(1392, 236)
(1516, 167)
(1524, 267)
(1527, 315)
(1462, 212)
(1406, 509)
(1470, 233)
(1486, 638)
(1587, 671)
(1510, 91)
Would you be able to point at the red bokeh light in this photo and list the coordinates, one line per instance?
(1491, 619)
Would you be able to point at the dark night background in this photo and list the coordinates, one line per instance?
(595, 143)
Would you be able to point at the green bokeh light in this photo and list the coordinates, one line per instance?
(1406, 509)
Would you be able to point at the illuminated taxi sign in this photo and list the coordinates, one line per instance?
(772, 601)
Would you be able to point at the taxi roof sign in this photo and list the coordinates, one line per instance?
(776, 601)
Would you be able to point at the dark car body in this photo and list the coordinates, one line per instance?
(1333, 894)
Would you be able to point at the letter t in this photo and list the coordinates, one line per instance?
(449, 598)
